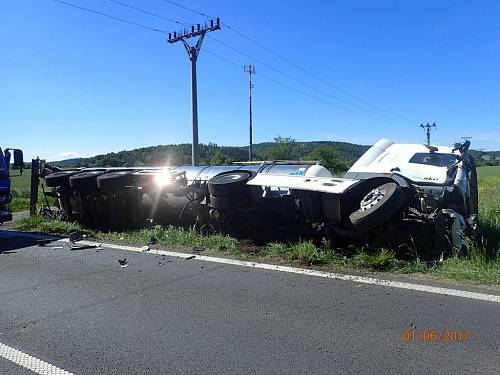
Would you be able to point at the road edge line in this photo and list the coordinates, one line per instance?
(308, 272)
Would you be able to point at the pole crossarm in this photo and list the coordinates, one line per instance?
(428, 131)
(195, 31)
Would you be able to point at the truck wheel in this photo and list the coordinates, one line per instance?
(230, 202)
(378, 206)
(229, 183)
(59, 178)
(115, 180)
(85, 180)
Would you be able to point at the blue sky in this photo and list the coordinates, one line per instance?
(78, 84)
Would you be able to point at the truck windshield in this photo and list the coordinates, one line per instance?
(3, 168)
(434, 159)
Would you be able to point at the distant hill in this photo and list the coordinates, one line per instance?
(180, 154)
(213, 154)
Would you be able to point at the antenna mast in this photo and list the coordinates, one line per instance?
(250, 69)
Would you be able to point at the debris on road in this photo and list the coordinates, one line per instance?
(123, 262)
(74, 246)
(45, 241)
(75, 237)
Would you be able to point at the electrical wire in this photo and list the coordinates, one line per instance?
(112, 17)
(222, 58)
(303, 82)
(385, 117)
(336, 87)
(293, 88)
(150, 13)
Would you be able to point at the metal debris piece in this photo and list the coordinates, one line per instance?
(123, 262)
(45, 241)
(74, 246)
(198, 249)
(75, 237)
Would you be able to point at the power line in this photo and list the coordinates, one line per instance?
(301, 92)
(186, 8)
(385, 117)
(222, 58)
(150, 13)
(304, 83)
(292, 63)
(112, 17)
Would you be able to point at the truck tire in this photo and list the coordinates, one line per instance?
(59, 178)
(230, 202)
(115, 180)
(85, 180)
(378, 206)
(230, 183)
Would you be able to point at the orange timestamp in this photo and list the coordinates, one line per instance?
(430, 335)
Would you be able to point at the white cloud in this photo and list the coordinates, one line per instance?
(68, 155)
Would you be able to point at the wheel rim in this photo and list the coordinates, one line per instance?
(371, 199)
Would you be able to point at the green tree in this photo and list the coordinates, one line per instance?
(329, 157)
(285, 149)
(218, 158)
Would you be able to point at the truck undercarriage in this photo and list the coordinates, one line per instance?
(288, 201)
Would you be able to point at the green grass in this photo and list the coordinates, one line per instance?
(488, 171)
(172, 236)
(53, 226)
(20, 189)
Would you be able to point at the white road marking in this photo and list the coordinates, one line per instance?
(31, 363)
(302, 271)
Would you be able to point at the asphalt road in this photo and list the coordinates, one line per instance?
(80, 311)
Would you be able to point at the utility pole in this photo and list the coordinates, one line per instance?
(428, 131)
(193, 52)
(250, 69)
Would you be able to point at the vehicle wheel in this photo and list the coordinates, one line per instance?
(378, 206)
(230, 202)
(229, 183)
(85, 180)
(59, 178)
(115, 180)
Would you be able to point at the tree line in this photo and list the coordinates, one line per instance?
(336, 156)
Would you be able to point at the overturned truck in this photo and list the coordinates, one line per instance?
(408, 196)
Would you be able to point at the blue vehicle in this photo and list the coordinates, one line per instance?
(5, 195)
